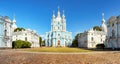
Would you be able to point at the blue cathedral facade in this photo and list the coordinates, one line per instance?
(58, 36)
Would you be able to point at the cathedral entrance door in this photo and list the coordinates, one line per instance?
(58, 42)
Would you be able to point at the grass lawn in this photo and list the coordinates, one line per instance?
(56, 49)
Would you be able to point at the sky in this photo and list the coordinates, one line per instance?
(81, 15)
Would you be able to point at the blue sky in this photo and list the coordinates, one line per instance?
(81, 15)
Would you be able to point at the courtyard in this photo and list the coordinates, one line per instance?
(56, 49)
(19, 57)
(30, 56)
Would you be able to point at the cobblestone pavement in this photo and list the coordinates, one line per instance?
(19, 57)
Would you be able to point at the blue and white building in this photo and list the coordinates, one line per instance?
(58, 36)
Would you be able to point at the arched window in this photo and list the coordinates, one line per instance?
(112, 25)
(113, 33)
(5, 43)
(91, 38)
(25, 38)
(5, 24)
(5, 32)
(58, 23)
(58, 34)
(58, 28)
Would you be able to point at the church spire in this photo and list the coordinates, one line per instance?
(103, 20)
(103, 26)
(58, 11)
(63, 16)
(14, 19)
(14, 26)
(53, 15)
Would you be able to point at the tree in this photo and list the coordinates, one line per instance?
(40, 41)
(75, 43)
(97, 28)
(43, 42)
(21, 44)
(76, 37)
(101, 46)
(75, 40)
(19, 29)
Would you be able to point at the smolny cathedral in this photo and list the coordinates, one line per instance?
(58, 36)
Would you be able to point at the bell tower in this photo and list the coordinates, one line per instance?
(104, 28)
